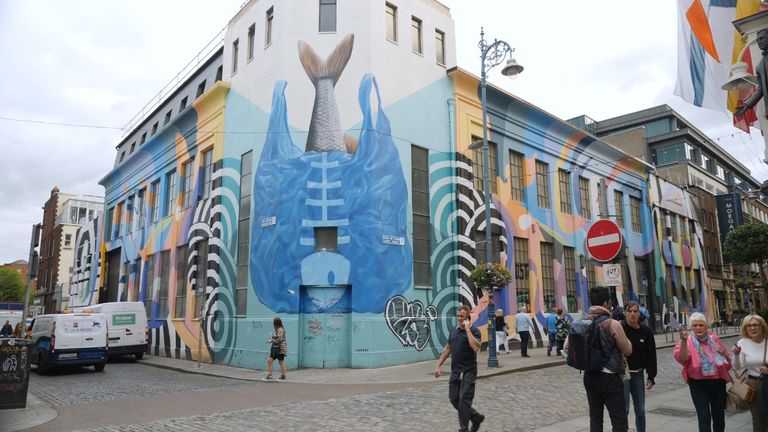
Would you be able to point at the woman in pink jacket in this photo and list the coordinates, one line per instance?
(706, 364)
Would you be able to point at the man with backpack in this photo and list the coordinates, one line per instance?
(598, 345)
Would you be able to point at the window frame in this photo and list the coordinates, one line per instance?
(269, 20)
(171, 195)
(235, 55)
(517, 175)
(618, 207)
(585, 198)
(564, 181)
(421, 214)
(390, 11)
(542, 185)
(326, 5)
(417, 35)
(478, 167)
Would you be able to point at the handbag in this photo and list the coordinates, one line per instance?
(742, 393)
(274, 351)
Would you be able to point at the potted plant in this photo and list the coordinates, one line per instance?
(490, 277)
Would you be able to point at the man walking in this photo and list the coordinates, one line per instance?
(523, 325)
(463, 345)
(7, 329)
(605, 388)
(551, 329)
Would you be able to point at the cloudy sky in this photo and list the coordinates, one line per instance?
(96, 64)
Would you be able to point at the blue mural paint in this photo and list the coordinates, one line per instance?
(363, 196)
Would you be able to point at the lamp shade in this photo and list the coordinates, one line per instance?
(740, 78)
(512, 68)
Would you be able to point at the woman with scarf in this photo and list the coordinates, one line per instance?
(751, 351)
(706, 364)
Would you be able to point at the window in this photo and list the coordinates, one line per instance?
(167, 117)
(591, 277)
(326, 238)
(133, 147)
(183, 103)
(624, 273)
(422, 273)
(150, 286)
(439, 47)
(170, 193)
(618, 199)
(108, 224)
(143, 138)
(154, 201)
(180, 307)
(564, 178)
(268, 27)
(137, 283)
(416, 41)
(207, 173)
(235, 52)
(129, 214)
(516, 175)
(391, 22)
(586, 210)
(548, 275)
(570, 278)
(219, 73)
(251, 37)
(673, 227)
(139, 207)
(154, 129)
(327, 15)
(478, 163)
(521, 270)
(200, 89)
(118, 226)
(67, 240)
(201, 275)
(634, 208)
(162, 292)
(243, 233)
(186, 183)
(122, 156)
(542, 184)
(481, 245)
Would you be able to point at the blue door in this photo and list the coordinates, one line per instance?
(325, 326)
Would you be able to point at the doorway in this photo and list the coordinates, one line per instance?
(109, 292)
(326, 312)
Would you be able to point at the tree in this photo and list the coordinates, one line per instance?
(11, 285)
(748, 244)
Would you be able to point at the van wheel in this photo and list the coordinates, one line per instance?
(139, 355)
(99, 367)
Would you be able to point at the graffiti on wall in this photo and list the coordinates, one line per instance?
(410, 321)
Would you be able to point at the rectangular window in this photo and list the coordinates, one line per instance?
(170, 193)
(150, 286)
(139, 207)
(673, 227)
(165, 275)
(591, 277)
(564, 179)
(201, 275)
(478, 163)
(117, 227)
(618, 202)
(137, 282)
(154, 129)
(143, 138)
(416, 41)
(180, 308)
(634, 207)
(439, 47)
(207, 180)
(268, 27)
(548, 275)
(165, 122)
(391, 22)
(235, 52)
(251, 37)
(200, 89)
(187, 187)
(422, 273)
(569, 257)
(327, 15)
(243, 233)
(154, 201)
(129, 214)
(542, 184)
(67, 240)
(516, 175)
(625, 277)
(183, 103)
(521, 271)
(586, 210)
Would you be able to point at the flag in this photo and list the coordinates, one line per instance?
(705, 41)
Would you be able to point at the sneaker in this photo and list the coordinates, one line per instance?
(282, 378)
(476, 423)
(268, 378)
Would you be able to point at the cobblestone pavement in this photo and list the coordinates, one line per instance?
(515, 402)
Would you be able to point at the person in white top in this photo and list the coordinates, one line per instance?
(751, 353)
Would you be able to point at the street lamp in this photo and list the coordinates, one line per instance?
(491, 56)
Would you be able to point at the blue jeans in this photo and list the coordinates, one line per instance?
(636, 387)
(551, 342)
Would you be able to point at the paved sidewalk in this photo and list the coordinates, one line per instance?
(38, 412)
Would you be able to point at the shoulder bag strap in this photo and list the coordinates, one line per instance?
(765, 351)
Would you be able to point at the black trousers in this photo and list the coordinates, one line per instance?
(605, 390)
(461, 391)
(525, 337)
(709, 399)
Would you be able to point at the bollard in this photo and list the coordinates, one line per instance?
(14, 372)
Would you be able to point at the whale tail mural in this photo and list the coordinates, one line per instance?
(325, 133)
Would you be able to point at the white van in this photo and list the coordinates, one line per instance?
(69, 339)
(127, 323)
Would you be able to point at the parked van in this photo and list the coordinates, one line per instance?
(127, 324)
(69, 339)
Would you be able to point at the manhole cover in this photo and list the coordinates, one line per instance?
(673, 412)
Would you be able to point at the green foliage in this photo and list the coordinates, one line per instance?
(487, 276)
(747, 244)
(11, 285)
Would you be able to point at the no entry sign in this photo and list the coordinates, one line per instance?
(604, 241)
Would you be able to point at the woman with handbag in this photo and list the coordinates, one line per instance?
(563, 330)
(706, 365)
(501, 330)
(750, 352)
(278, 350)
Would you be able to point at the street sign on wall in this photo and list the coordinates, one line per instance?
(612, 274)
(604, 240)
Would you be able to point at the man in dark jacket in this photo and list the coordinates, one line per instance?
(7, 329)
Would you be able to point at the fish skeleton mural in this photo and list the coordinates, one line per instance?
(349, 193)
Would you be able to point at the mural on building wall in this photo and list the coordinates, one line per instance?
(85, 276)
(410, 321)
(351, 196)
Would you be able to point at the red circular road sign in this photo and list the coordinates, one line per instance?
(604, 241)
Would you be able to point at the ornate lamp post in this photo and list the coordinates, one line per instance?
(491, 56)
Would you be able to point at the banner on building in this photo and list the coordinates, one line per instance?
(729, 215)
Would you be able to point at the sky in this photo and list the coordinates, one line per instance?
(96, 64)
